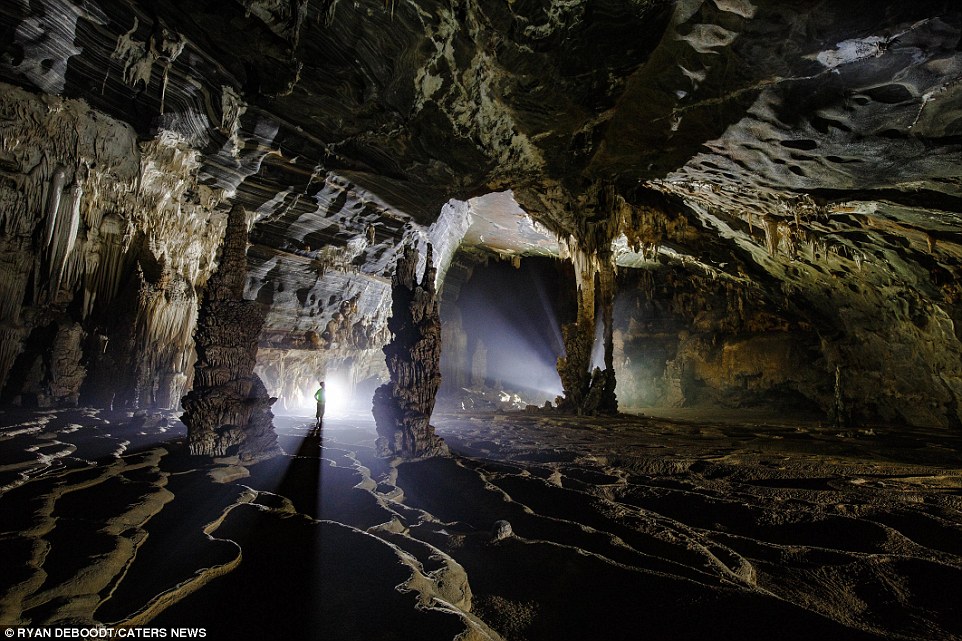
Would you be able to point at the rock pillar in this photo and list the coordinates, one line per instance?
(574, 366)
(479, 365)
(228, 409)
(455, 365)
(586, 391)
(403, 405)
(601, 397)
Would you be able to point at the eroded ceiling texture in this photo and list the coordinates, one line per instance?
(772, 189)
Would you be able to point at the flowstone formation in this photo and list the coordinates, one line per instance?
(403, 405)
(228, 410)
(105, 242)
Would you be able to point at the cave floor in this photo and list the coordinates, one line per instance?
(623, 528)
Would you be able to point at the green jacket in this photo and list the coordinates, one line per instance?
(319, 396)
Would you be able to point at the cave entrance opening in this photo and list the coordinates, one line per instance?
(501, 330)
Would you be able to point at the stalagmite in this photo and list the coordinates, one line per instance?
(578, 337)
(228, 409)
(587, 391)
(839, 411)
(602, 393)
(479, 365)
(66, 372)
(403, 405)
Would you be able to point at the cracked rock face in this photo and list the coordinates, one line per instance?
(800, 165)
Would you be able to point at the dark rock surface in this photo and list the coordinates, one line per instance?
(403, 405)
(757, 203)
(807, 157)
(738, 529)
(228, 409)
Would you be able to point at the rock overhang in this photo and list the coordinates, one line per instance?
(793, 149)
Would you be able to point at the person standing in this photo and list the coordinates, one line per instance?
(319, 416)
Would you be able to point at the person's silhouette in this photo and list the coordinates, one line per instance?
(319, 396)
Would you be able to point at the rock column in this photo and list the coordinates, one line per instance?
(601, 398)
(574, 366)
(586, 391)
(403, 405)
(228, 409)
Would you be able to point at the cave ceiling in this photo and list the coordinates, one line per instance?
(767, 137)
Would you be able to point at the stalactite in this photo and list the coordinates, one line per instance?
(179, 225)
(792, 240)
(66, 167)
(64, 239)
(772, 235)
(96, 202)
(578, 337)
(165, 324)
(57, 183)
(606, 215)
(105, 268)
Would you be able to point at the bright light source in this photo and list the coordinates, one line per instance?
(337, 397)
(510, 319)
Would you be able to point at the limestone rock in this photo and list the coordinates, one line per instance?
(803, 158)
(403, 405)
(501, 531)
(228, 409)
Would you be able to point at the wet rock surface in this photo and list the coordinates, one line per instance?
(725, 529)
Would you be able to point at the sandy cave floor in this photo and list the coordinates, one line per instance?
(624, 528)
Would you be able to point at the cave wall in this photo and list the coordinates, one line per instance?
(807, 156)
(105, 241)
(692, 335)
(683, 339)
(883, 301)
(890, 326)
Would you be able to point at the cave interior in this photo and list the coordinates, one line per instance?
(642, 317)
